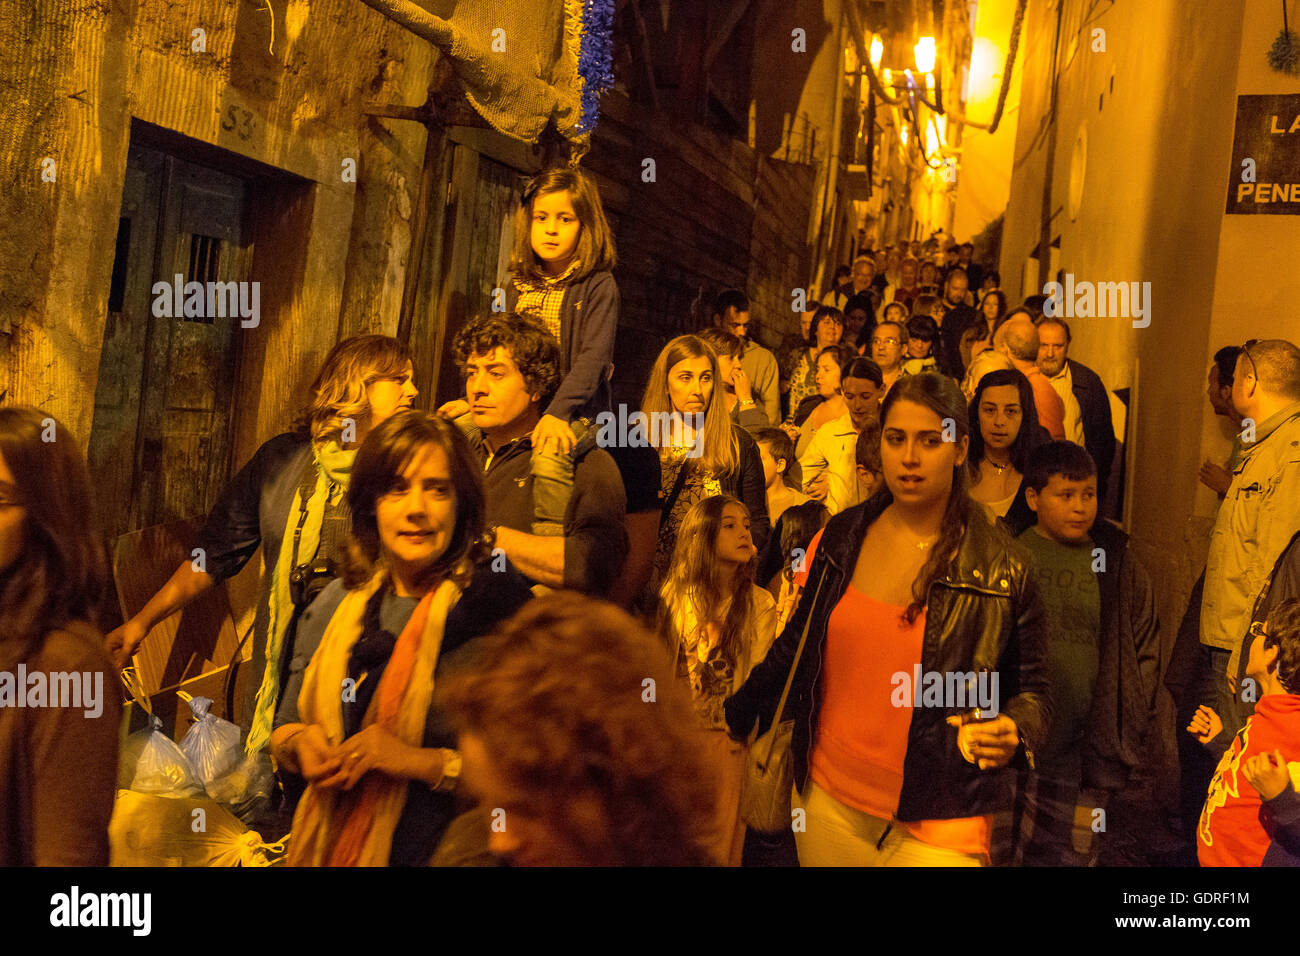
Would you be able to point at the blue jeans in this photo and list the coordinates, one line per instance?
(1211, 688)
(553, 480)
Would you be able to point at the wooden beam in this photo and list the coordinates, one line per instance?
(729, 24)
(645, 54)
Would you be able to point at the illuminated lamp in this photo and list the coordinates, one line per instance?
(925, 54)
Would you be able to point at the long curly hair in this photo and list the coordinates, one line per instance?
(579, 711)
(61, 572)
(696, 582)
(941, 395)
(381, 461)
(338, 394)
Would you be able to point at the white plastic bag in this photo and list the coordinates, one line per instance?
(211, 744)
(152, 763)
(246, 788)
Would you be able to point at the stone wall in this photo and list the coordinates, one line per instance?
(78, 76)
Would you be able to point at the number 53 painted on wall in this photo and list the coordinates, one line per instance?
(238, 121)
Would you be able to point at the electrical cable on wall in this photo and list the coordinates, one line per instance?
(954, 116)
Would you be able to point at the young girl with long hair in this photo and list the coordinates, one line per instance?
(797, 528)
(702, 452)
(719, 624)
(913, 581)
(289, 499)
(560, 275)
(1004, 429)
(358, 722)
(58, 761)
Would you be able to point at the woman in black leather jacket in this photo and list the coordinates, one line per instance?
(923, 674)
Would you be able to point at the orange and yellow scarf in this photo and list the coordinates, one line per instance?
(355, 827)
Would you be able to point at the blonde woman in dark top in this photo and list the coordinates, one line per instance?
(702, 452)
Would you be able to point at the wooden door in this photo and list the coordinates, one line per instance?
(478, 231)
(160, 443)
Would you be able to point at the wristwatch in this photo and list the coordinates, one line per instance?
(451, 762)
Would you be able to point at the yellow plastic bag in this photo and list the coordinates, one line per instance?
(152, 830)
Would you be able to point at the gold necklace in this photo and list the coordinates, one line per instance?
(919, 544)
(997, 469)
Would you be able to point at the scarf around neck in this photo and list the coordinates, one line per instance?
(355, 827)
(333, 472)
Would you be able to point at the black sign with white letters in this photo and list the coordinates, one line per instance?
(1265, 174)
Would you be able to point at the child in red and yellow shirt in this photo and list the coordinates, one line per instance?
(1230, 832)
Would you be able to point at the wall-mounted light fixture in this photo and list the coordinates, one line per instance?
(925, 54)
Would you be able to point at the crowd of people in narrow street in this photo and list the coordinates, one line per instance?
(531, 626)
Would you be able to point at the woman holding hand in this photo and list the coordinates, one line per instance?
(358, 721)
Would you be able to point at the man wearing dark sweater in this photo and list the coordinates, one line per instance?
(511, 367)
(1088, 420)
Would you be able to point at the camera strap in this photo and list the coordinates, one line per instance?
(306, 488)
(334, 524)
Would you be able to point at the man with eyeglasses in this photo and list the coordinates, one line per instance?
(731, 314)
(1257, 521)
(888, 343)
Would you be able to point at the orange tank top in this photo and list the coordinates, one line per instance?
(861, 737)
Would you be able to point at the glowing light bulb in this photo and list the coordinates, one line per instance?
(925, 54)
(877, 51)
(889, 76)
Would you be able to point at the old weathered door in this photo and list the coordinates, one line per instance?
(160, 443)
(478, 231)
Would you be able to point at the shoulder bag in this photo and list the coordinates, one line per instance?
(769, 770)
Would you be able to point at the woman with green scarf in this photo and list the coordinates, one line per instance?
(289, 499)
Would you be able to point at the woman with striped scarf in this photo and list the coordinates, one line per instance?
(357, 721)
